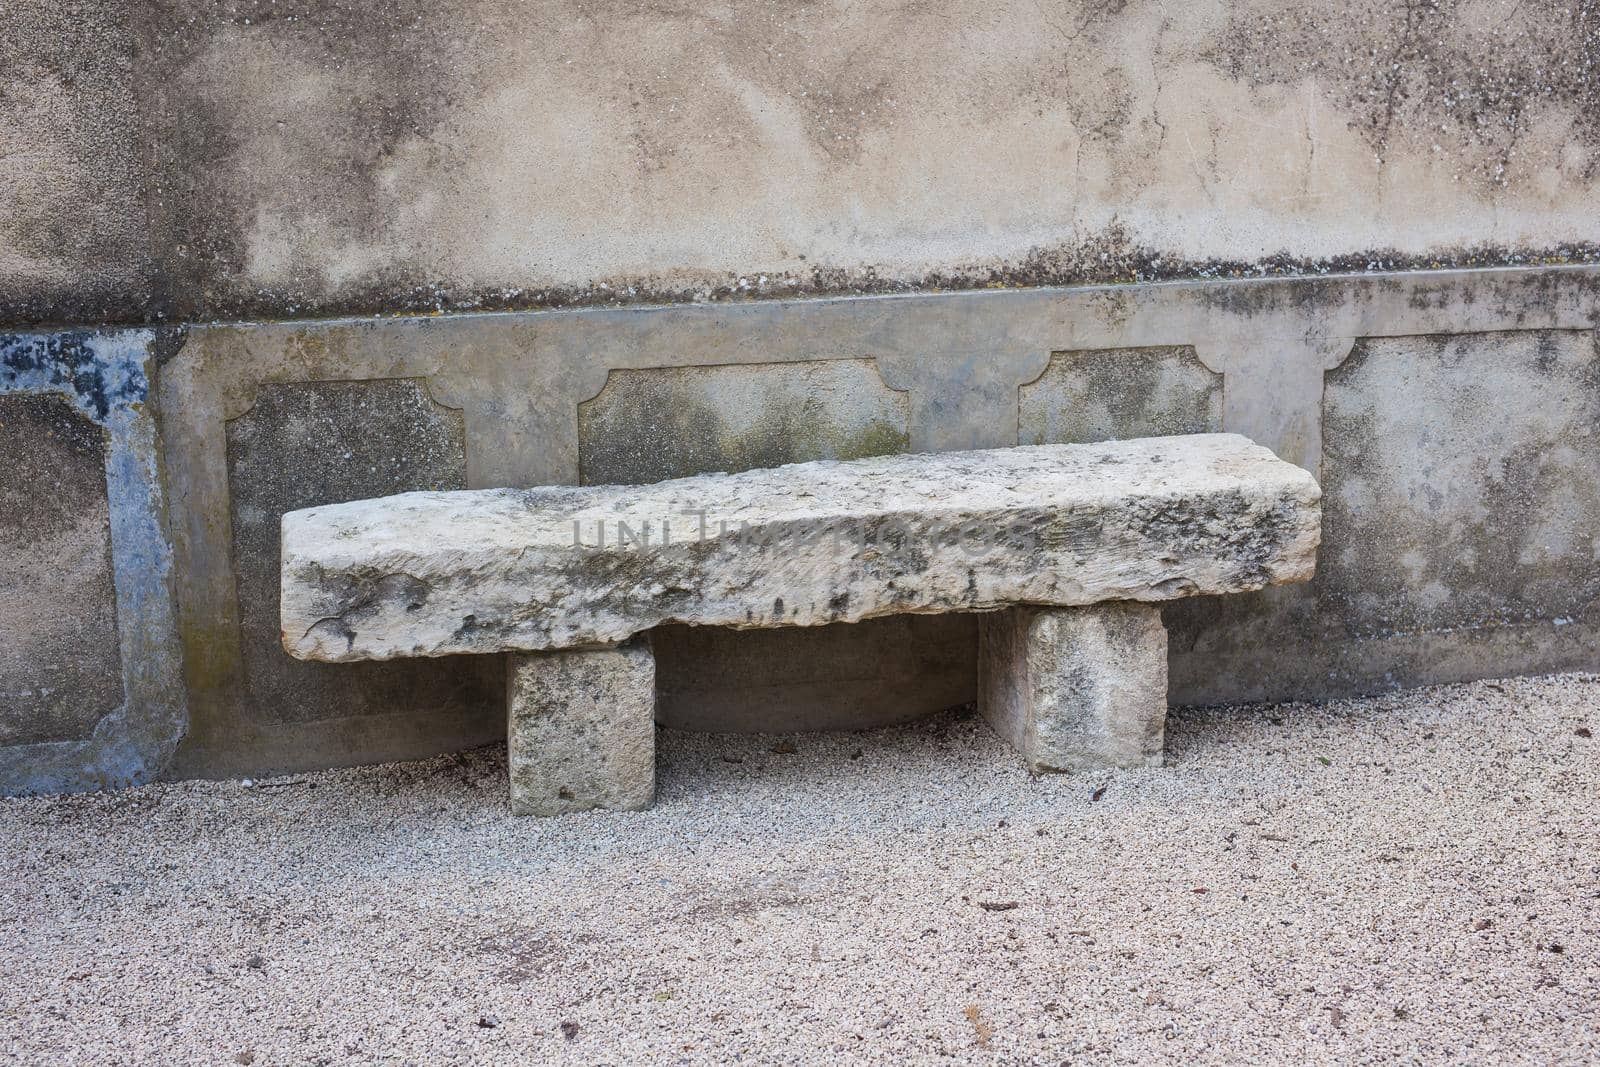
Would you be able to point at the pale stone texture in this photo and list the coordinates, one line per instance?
(581, 729)
(431, 574)
(1076, 688)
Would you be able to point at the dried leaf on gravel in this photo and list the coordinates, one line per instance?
(984, 1031)
(785, 748)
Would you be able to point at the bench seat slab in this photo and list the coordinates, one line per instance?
(581, 729)
(509, 570)
(1076, 688)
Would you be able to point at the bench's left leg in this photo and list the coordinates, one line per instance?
(1076, 688)
(581, 729)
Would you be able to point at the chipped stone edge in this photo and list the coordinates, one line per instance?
(106, 377)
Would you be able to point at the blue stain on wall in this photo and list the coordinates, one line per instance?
(106, 376)
(99, 371)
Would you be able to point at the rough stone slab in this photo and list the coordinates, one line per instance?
(432, 574)
(581, 729)
(1076, 688)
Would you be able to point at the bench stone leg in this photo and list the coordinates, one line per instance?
(1076, 688)
(581, 729)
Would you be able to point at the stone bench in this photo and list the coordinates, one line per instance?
(1068, 547)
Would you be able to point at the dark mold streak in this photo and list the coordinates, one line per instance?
(70, 362)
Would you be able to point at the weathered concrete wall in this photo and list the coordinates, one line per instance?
(1463, 476)
(287, 156)
(61, 668)
(73, 241)
(259, 418)
(1452, 417)
(184, 161)
(91, 691)
(254, 428)
(670, 422)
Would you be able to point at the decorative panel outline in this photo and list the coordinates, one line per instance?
(106, 377)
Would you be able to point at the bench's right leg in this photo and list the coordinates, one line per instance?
(1076, 688)
(581, 729)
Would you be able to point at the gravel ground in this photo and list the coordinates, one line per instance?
(1415, 876)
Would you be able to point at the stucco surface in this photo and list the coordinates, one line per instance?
(671, 422)
(60, 671)
(277, 158)
(73, 241)
(313, 443)
(1111, 394)
(1462, 480)
(490, 148)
